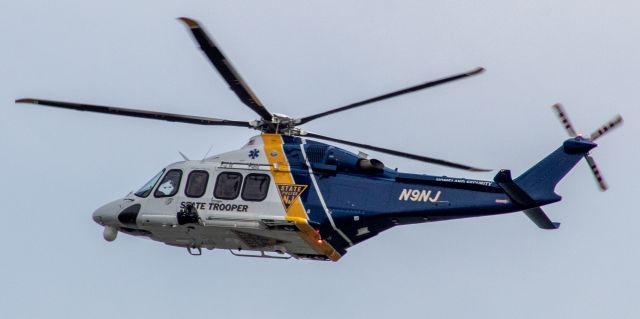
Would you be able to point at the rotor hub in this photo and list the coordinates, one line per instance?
(279, 124)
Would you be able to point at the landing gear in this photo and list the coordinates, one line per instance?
(194, 251)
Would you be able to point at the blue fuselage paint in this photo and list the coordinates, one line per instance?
(362, 204)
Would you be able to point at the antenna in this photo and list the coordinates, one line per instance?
(184, 156)
(207, 154)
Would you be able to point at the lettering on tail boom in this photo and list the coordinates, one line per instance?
(416, 195)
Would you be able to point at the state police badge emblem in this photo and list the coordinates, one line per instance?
(289, 193)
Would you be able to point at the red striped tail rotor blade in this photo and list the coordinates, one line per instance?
(596, 173)
(616, 121)
(562, 114)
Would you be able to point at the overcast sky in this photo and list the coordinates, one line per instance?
(303, 57)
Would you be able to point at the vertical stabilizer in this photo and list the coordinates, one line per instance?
(541, 179)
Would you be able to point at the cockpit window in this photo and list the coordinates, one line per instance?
(145, 190)
(197, 183)
(169, 184)
(228, 185)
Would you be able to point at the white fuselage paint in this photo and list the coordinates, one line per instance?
(224, 224)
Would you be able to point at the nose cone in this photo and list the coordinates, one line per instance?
(107, 214)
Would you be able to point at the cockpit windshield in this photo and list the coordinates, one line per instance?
(145, 190)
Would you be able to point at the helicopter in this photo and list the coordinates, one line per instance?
(285, 194)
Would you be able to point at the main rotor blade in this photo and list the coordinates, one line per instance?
(596, 173)
(562, 114)
(138, 113)
(226, 70)
(392, 94)
(615, 122)
(398, 153)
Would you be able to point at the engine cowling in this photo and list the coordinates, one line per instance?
(331, 158)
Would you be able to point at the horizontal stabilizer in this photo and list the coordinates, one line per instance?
(519, 196)
(541, 219)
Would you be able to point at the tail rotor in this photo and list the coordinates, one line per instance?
(606, 128)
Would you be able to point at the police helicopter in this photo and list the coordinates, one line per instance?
(285, 194)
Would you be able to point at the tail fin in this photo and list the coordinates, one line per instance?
(541, 179)
(536, 187)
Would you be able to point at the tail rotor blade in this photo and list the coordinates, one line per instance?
(562, 114)
(615, 122)
(596, 173)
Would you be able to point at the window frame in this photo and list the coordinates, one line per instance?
(206, 183)
(265, 193)
(175, 191)
(218, 183)
(159, 176)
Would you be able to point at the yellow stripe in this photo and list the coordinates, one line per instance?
(296, 212)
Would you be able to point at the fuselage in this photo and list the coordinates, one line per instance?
(292, 196)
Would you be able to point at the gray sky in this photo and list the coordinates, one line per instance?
(302, 58)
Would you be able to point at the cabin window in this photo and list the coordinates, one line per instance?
(256, 187)
(196, 183)
(145, 190)
(228, 185)
(169, 184)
